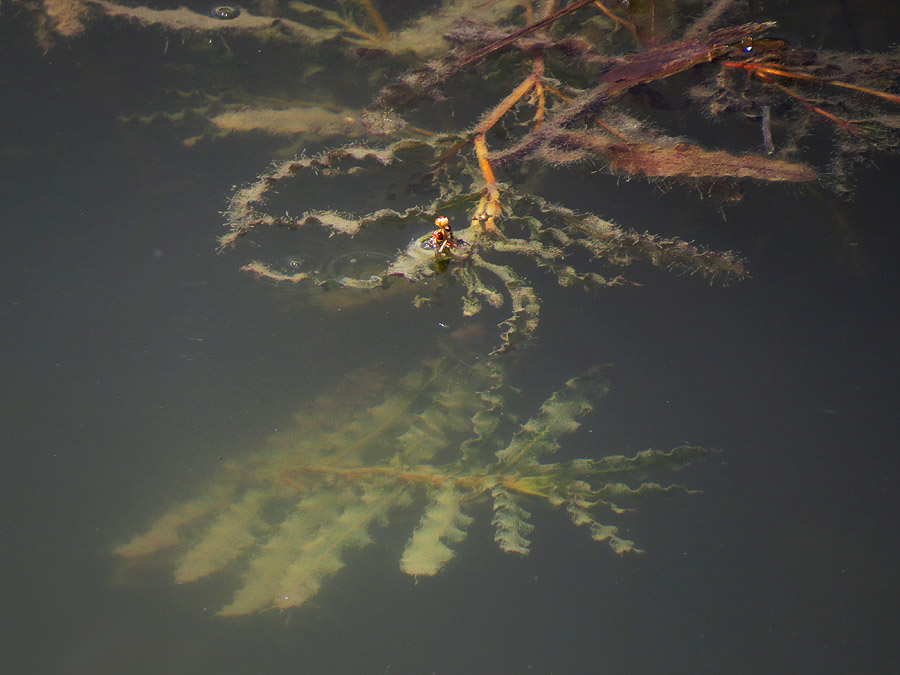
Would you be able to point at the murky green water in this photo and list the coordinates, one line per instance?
(137, 360)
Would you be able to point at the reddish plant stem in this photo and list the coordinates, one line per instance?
(522, 32)
(760, 70)
(489, 207)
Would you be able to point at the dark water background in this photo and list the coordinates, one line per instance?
(134, 359)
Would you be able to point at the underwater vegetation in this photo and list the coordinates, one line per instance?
(437, 439)
(468, 110)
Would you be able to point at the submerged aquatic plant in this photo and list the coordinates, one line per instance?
(534, 228)
(494, 96)
(574, 108)
(439, 439)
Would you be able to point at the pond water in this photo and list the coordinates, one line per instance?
(137, 361)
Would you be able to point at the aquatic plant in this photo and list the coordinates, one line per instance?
(495, 95)
(569, 110)
(438, 439)
(541, 231)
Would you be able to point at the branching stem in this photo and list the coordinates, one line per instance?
(489, 208)
(618, 19)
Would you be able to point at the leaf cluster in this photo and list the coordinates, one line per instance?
(283, 520)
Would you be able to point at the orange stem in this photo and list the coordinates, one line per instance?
(489, 208)
(780, 72)
(843, 124)
(375, 17)
(615, 132)
(630, 26)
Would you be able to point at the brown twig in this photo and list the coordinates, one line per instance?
(522, 32)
